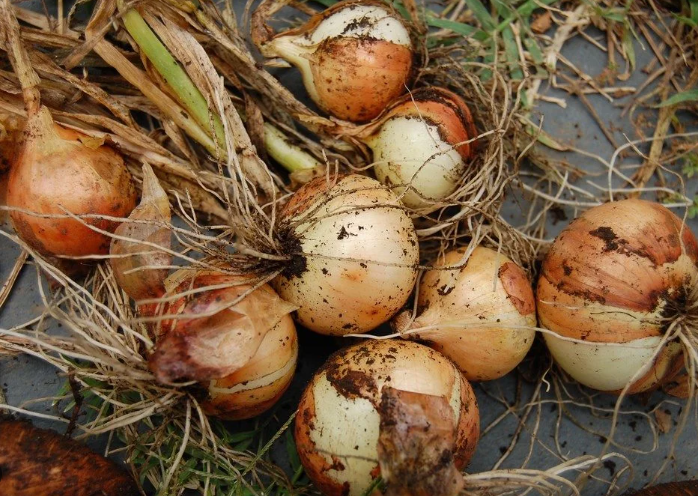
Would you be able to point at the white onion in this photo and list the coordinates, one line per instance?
(338, 426)
(354, 254)
(422, 143)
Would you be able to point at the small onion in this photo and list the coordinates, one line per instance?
(218, 329)
(616, 280)
(58, 171)
(423, 142)
(343, 429)
(353, 254)
(134, 262)
(355, 58)
(481, 315)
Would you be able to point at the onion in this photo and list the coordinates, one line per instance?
(258, 384)
(423, 142)
(212, 324)
(353, 252)
(481, 315)
(616, 280)
(355, 58)
(238, 340)
(58, 171)
(135, 260)
(361, 406)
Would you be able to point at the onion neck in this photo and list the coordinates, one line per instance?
(43, 134)
(288, 49)
(177, 79)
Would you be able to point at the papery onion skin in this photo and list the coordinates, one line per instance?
(492, 298)
(354, 254)
(55, 172)
(619, 273)
(355, 58)
(213, 325)
(134, 263)
(260, 383)
(337, 426)
(423, 141)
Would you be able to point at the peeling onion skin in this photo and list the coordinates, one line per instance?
(488, 296)
(620, 273)
(260, 383)
(338, 418)
(421, 141)
(54, 169)
(214, 325)
(372, 251)
(355, 58)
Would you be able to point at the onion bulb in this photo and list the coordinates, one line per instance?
(481, 315)
(355, 58)
(140, 266)
(238, 341)
(422, 142)
(257, 385)
(212, 324)
(353, 252)
(616, 280)
(58, 171)
(394, 409)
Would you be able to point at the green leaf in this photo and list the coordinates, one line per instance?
(684, 96)
(629, 47)
(291, 451)
(482, 14)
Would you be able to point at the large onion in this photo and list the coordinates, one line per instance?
(345, 431)
(354, 253)
(616, 280)
(355, 57)
(481, 315)
(423, 142)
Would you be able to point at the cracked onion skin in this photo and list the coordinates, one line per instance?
(243, 351)
(355, 58)
(354, 255)
(615, 279)
(260, 383)
(55, 171)
(482, 315)
(338, 422)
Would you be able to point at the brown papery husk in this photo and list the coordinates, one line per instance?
(142, 243)
(416, 444)
(213, 324)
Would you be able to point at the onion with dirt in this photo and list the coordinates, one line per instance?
(619, 292)
(394, 409)
(353, 254)
(355, 57)
(423, 145)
